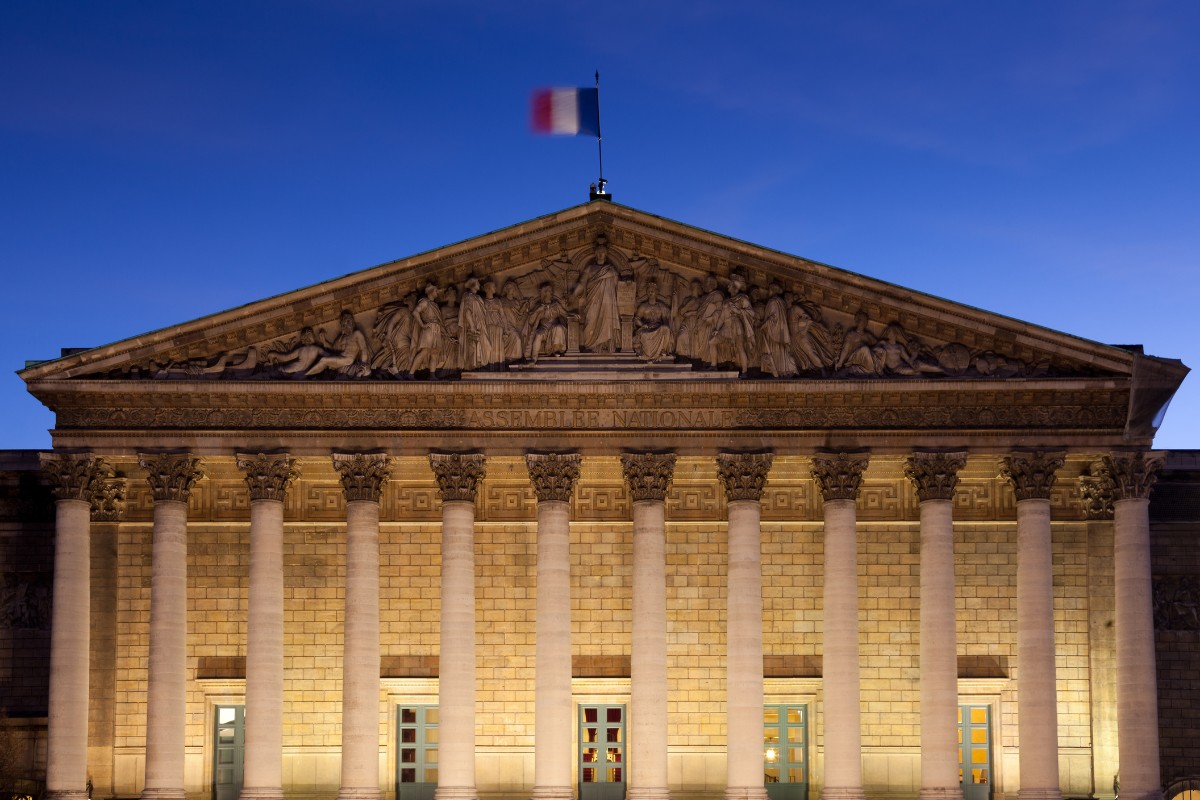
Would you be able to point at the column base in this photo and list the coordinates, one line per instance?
(455, 793)
(940, 793)
(552, 793)
(1039, 794)
(745, 793)
(648, 793)
(261, 793)
(359, 793)
(66, 794)
(163, 794)
(843, 793)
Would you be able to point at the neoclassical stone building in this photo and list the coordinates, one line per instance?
(602, 505)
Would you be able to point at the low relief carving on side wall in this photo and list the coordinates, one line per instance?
(594, 304)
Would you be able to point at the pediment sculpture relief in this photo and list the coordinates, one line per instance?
(599, 303)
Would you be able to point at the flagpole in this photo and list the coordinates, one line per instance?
(599, 142)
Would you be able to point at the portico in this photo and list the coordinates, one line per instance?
(421, 575)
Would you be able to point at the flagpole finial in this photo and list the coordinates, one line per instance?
(598, 193)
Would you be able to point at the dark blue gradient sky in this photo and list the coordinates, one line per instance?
(160, 161)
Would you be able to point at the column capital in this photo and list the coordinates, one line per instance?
(74, 477)
(935, 474)
(268, 476)
(839, 475)
(108, 500)
(171, 475)
(743, 474)
(363, 474)
(1031, 473)
(553, 475)
(1133, 474)
(648, 474)
(458, 474)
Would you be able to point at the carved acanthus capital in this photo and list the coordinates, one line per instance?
(458, 474)
(268, 476)
(73, 477)
(363, 474)
(935, 474)
(553, 475)
(171, 475)
(108, 500)
(839, 476)
(1097, 492)
(1133, 474)
(1031, 474)
(743, 474)
(648, 474)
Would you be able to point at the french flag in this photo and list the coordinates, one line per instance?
(575, 112)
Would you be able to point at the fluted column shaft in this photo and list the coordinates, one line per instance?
(935, 475)
(267, 478)
(66, 758)
(1137, 685)
(743, 477)
(1032, 476)
(171, 478)
(553, 478)
(648, 477)
(363, 477)
(838, 478)
(458, 477)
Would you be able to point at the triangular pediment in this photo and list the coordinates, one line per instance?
(476, 307)
(603, 307)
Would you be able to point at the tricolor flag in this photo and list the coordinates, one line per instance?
(575, 112)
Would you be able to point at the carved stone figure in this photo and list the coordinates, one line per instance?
(683, 320)
(348, 352)
(394, 332)
(597, 296)
(652, 337)
(708, 314)
(857, 355)
(733, 337)
(545, 332)
(474, 338)
(298, 360)
(775, 338)
(504, 314)
(429, 333)
(809, 338)
(448, 355)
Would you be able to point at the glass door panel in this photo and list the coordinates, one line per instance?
(602, 754)
(417, 752)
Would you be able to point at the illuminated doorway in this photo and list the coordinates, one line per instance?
(602, 756)
(785, 751)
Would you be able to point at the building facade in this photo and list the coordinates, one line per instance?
(604, 506)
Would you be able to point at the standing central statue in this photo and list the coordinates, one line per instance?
(596, 294)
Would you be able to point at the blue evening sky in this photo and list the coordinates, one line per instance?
(160, 161)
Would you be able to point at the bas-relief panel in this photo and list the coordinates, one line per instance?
(604, 300)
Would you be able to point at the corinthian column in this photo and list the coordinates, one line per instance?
(268, 478)
(73, 479)
(743, 475)
(1032, 476)
(935, 476)
(838, 478)
(363, 478)
(553, 478)
(108, 510)
(1097, 496)
(1133, 475)
(458, 477)
(649, 476)
(171, 477)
